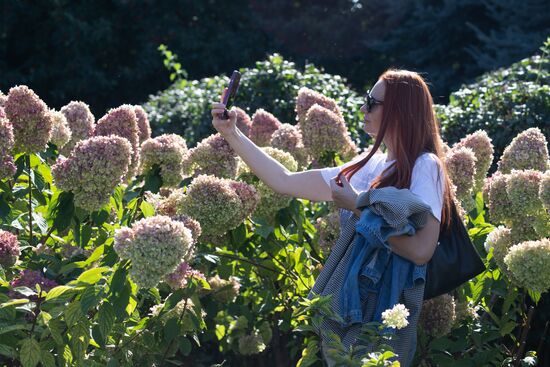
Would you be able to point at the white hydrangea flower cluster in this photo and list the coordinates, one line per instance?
(396, 317)
(222, 290)
(251, 344)
(516, 193)
(529, 262)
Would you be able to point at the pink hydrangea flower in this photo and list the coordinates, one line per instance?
(528, 150)
(30, 118)
(156, 245)
(461, 165)
(306, 98)
(324, 131)
(168, 152)
(481, 144)
(181, 276)
(270, 201)
(143, 124)
(93, 169)
(289, 138)
(61, 133)
(190, 223)
(529, 262)
(247, 194)
(243, 121)
(438, 315)
(9, 249)
(264, 125)
(224, 291)
(212, 156)
(7, 166)
(498, 203)
(122, 121)
(30, 278)
(215, 203)
(522, 187)
(81, 123)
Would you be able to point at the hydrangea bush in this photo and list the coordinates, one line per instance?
(99, 266)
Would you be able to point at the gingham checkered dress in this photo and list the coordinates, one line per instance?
(331, 279)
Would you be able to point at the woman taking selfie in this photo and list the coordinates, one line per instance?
(399, 113)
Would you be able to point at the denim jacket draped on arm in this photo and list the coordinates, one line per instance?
(386, 212)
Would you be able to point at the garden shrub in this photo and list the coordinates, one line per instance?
(273, 84)
(503, 103)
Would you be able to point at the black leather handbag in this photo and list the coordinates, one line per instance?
(455, 260)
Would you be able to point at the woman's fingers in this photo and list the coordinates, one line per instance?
(216, 112)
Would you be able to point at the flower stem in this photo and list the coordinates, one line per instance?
(523, 339)
(28, 159)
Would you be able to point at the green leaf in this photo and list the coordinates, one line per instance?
(106, 319)
(14, 302)
(85, 235)
(309, 355)
(90, 298)
(30, 353)
(535, 296)
(95, 255)
(8, 351)
(220, 331)
(92, 276)
(147, 209)
(239, 234)
(263, 228)
(56, 328)
(47, 359)
(73, 313)
(99, 217)
(171, 329)
(63, 211)
(61, 290)
(10, 328)
(507, 328)
(185, 346)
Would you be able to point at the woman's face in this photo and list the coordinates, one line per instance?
(373, 119)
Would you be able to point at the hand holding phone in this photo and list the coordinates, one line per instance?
(230, 93)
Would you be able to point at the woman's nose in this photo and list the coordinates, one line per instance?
(363, 109)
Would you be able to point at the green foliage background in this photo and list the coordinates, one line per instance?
(105, 52)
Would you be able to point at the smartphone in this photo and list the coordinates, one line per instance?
(231, 93)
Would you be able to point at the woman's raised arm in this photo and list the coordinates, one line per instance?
(304, 185)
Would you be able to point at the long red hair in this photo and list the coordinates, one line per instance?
(409, 119)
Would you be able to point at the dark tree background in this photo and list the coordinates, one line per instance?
(105, 52)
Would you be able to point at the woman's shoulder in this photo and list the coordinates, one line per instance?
(428, 163)
(428, 159)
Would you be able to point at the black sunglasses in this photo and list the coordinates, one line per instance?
(370, 101)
